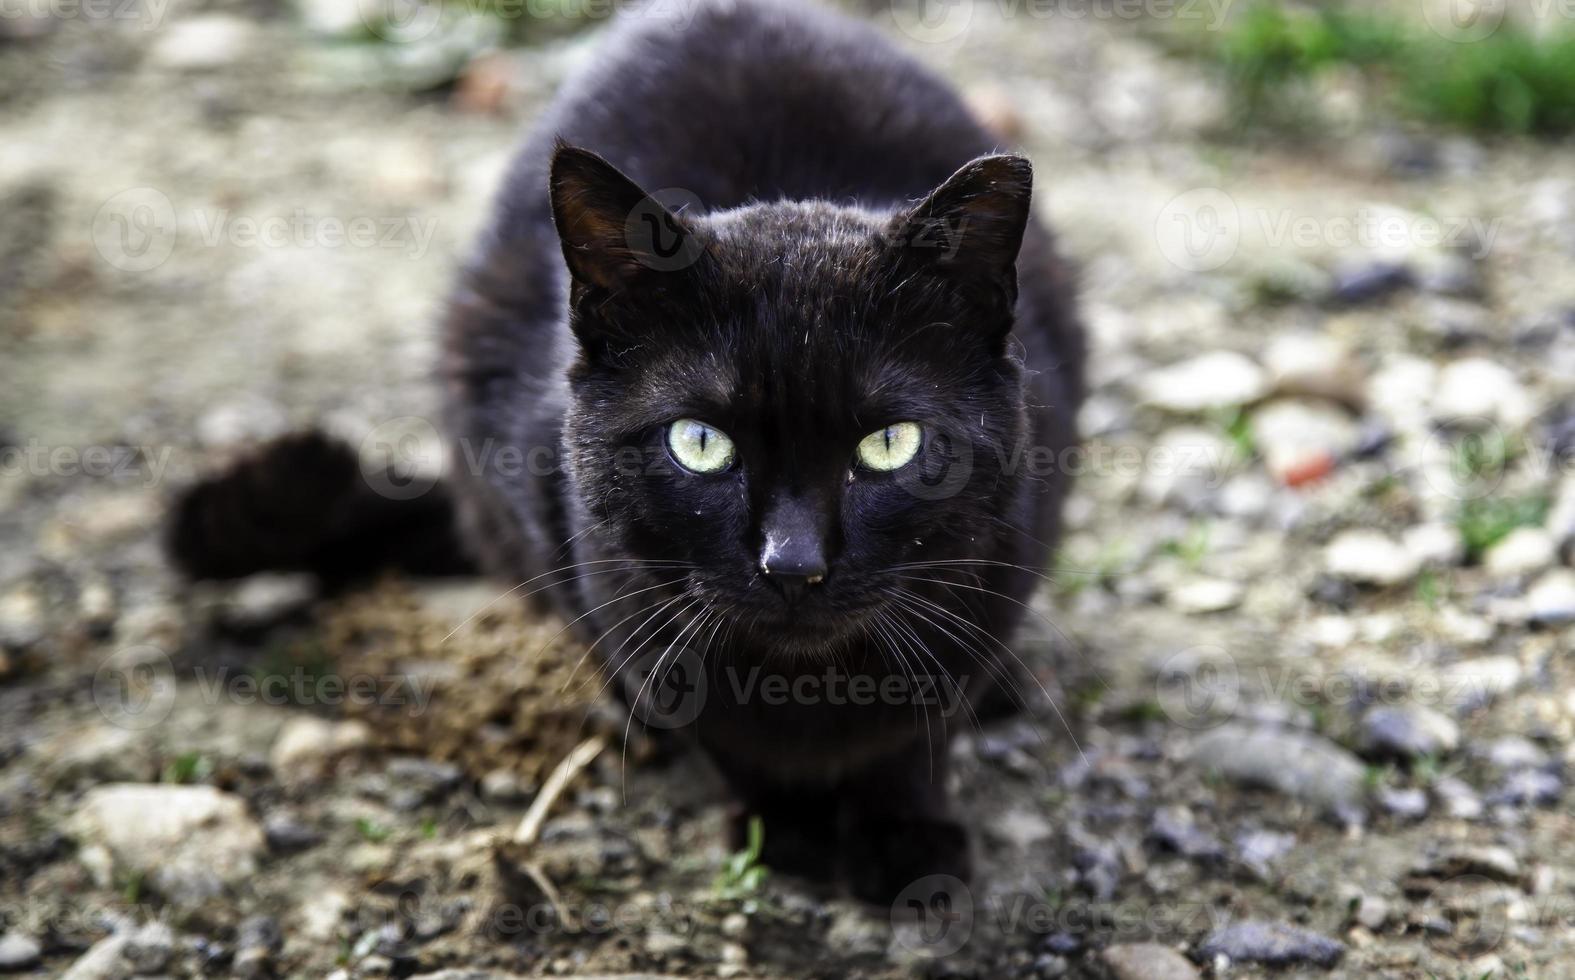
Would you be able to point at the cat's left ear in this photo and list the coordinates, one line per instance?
(971, 227)
(615, 236)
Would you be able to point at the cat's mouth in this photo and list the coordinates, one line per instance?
(815, 622)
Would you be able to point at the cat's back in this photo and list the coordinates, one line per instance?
(734, 101)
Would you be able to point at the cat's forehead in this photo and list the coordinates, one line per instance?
(801, 246)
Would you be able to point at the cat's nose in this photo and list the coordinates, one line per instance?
(793, 555)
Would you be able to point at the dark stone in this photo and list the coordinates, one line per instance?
(1529, 787)
(286, 834)
(1173, 829)
(1369, 281)
(1272, 944)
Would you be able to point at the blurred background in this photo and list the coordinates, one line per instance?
(1308, 698)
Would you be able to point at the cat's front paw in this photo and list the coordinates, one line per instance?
(885, 856)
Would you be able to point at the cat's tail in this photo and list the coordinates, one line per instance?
(302, 503)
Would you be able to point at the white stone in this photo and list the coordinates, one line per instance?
(1219, 379)
(1313, 364)
(1399, 392)
(1476, 391)
(306, 745)
(1248, 496)
(190, 841)
(1552, 598)
(209, 41)
(1369, 557)
(1524, 551)
(1206, 595)
(1434, 543)
(1290, 434)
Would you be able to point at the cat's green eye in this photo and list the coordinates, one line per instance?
(698, 447)
(892, 447)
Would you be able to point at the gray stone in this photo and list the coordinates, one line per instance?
(1302, 765)
(409, 781)
(1515, 752)
(1174, 828)
(1272, 944)
(1404, 804)
(1408, 732)
(1459, 800)
(1146, 961)
(1490, 861)
(1257, 850)
(1529, 787)
(1373, 911)
(149, 949)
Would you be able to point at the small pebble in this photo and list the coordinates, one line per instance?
(1146, 961)
(1551, 601)
(1272, 944)
(1366, 282)
(1404, 804)
(18, 951)
(1369, 558)
(1524, 551)
(1459, 800)
(1408, 732)
(1529, 787)
(1491, 861)
(1219, 379)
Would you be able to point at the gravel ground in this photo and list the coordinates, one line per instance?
(1307, 700)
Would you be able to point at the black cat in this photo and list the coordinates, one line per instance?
(782, 351)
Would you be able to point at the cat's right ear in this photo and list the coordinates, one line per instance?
(615, 236)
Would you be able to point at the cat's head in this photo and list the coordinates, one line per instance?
(802, 401)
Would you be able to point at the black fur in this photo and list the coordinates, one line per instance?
(850, 255)
(303, 504)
